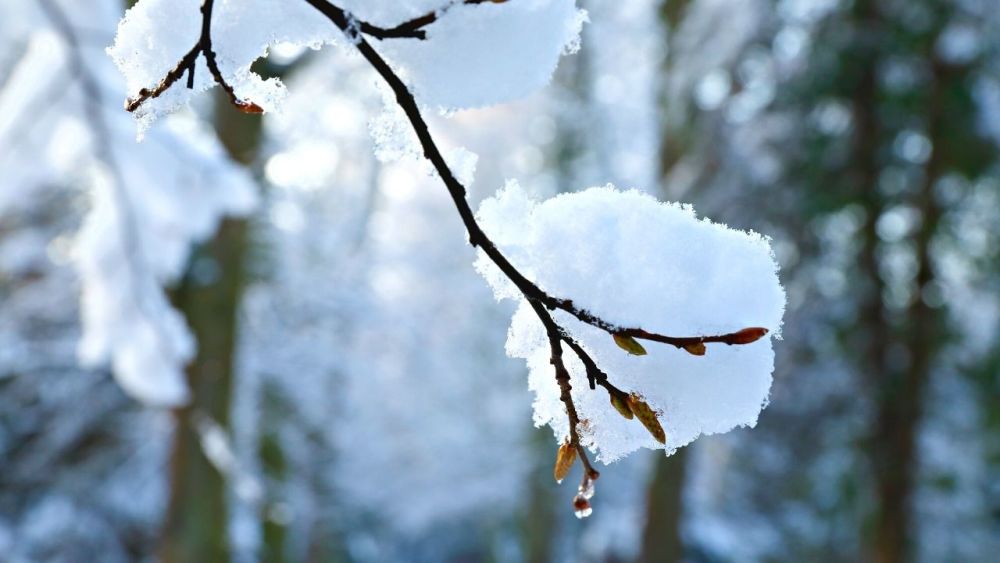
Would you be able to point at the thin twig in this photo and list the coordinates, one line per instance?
(414, 28)
(555, 336)
(206, 48)
(173, 75)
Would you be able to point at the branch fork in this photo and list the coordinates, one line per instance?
(187, 64)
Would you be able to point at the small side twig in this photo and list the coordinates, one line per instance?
(206, 49)
(172, 75)
(414, 28)
(555, 336)
(187, 65)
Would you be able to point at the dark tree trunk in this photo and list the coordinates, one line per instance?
(897, 384)
(195, 525)
(661, 539)
(900, 406)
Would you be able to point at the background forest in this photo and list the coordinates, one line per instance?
(352, 400)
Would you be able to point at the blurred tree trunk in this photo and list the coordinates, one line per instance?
(900, 401)
(675, 137)
(275, 471)
(661, 538)
(885, 537)
(539, 525)
(195, 525)
(872, 337)
(898, 384)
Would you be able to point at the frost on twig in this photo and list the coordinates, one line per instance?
(595, 272)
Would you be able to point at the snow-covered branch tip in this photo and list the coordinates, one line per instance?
(187, 65)
(629, 404)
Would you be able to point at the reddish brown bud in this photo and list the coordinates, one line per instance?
(748, 335)
(249, 107)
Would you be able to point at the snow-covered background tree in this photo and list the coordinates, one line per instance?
(267, 337)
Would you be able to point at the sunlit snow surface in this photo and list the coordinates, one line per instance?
(637, 262)
(483, 54)
(473, 55)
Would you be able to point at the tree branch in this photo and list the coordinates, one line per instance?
(414, 28)
(206, 49)
(541, 302)
(173, 75)
(187, 64)
(556, 336)
(477, 237)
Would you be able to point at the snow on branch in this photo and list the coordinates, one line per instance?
(595, 272)
(632, 259)
(464, 54)
(187, 65)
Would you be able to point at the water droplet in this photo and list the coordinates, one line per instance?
(587, 488)
(581, 507)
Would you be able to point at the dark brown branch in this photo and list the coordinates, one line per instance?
(173, 75)
(206, 48)
(555, 335)
(413, 29)
(595, 375)
(477, 237)
(744, 336)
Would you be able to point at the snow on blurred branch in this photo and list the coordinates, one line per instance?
(148, 202)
